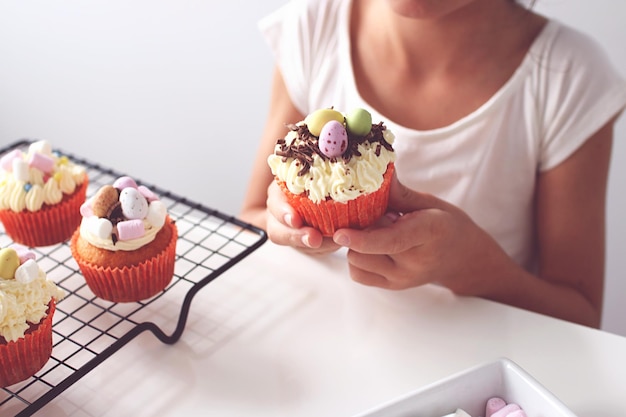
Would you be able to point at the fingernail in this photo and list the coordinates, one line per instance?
(305, 241)
(341, 239)
(288, 219)
(392, 216)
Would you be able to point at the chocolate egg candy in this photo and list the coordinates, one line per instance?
(105, 198)
(9, 262)
(333, 139)
(318, 119)
(134, 205)
(359, 122)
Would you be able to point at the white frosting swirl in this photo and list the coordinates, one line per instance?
(18, 194)
(334, 178)
(24, 303)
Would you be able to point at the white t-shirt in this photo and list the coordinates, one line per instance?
(485, 163)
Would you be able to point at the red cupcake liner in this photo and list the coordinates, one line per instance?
(50, 225)
(130, 283)
(329, 215)
(24, 357)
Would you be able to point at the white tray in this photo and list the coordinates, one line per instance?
(470, 390)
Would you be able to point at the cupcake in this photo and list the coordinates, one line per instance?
(125, 246)
(40, 195)
(27, 303)
(335, 169)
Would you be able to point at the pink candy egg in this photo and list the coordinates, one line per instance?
(333, 139)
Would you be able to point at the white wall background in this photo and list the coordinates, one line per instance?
(174, 93)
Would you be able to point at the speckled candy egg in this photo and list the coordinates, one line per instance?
(333, 139)
(134, 205)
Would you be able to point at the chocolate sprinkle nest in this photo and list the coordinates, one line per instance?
(307, 148)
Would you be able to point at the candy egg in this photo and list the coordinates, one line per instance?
(9, 262)
(359, 122)
(333, 139)
(124, 182)
(104, 200)
(27, 272)
(316, 120)
(134, 205)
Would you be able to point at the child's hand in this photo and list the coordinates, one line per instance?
(285, 227)
(430, 242)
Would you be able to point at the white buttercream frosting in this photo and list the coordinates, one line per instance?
(26, 185)
(339, 178)
(25, 300)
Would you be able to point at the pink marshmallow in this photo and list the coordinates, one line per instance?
(517, 413)
(86, 209)
(147, 193)
(506, 410)
(6, 162)
(124, 182)
(42, 162)
(130, 229)
(23, 252)
(494, 404)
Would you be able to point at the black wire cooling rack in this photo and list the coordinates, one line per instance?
(88, 330)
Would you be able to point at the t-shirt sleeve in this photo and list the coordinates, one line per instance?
(581, 92)
(300, 35)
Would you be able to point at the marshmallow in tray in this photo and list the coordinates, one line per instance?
(495, 407)
(123, 209)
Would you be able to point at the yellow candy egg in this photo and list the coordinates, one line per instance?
(316, 120)
(9, 262)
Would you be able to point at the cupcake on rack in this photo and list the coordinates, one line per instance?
(126, 243)
(27, 304)
(335, 169)
(40, 195)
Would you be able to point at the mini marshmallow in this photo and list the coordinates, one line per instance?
(41, 162)
(100, 227)
(517, 413)
(27, 272)
(20, 170)
(23, 252)
(130, 229)
(506, 410)
(41, 146)
(124, 182)
(86, 209)
(6, 162)
(157, 212)
(147, 193)
(494, 404)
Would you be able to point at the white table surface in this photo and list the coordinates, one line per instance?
(284, 334)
